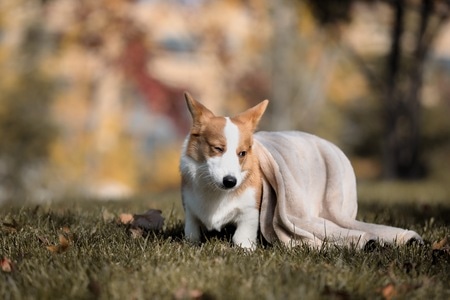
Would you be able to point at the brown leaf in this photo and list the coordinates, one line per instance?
(151, 220)
(184, 293)
(67, 233)
(63, 242)
(6, 265)
(53, 249)
(125, 218)
(63, 245)
(389, 291)
(443, 244)
(392, 291)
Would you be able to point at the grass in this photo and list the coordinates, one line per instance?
(78, 250)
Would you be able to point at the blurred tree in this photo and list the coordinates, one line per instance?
(300, 57)
(400, 83)
(26, 128)
(26, 132)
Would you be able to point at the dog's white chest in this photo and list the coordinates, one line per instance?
(215, 210)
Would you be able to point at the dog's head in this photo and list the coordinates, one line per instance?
(222, 145)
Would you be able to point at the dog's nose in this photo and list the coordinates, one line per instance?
(229, 181)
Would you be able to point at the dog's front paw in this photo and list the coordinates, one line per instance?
(191, 240)
(244, 242)
(409, 237)
(192, 235)
(246, 246)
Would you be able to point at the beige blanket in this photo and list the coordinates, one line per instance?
(309, 194)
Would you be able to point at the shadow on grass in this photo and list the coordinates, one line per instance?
(399, 214)
(407, 215)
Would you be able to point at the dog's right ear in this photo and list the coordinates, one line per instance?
(200, 114)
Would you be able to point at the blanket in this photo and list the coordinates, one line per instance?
(309, 194)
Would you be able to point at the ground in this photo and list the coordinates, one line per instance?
(81, 249)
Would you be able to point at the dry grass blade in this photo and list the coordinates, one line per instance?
(11, 227)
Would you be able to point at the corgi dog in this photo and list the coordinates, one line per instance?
(220, 176)
(293, 186)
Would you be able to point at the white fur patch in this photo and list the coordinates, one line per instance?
(211, 207)
(208, 205)
(214, 210)
(228, 163)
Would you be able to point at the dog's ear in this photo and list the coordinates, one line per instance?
(200, 114)
(253, 115)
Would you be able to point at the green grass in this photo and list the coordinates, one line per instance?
(103, 260)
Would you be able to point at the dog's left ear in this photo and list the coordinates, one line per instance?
(200, 114)
(253, 115)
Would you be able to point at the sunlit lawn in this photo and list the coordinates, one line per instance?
(79, 249)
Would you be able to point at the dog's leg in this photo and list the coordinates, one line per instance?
(191, 227)
(247, 229)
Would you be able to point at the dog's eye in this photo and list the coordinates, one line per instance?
(242, 153)
(218, 149)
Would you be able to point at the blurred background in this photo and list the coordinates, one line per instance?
(91, 92)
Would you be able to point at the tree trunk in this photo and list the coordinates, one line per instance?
(402, 159)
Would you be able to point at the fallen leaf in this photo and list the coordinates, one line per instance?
(53, 248)
(184, 293)
(442, 244)
(125, 218)
(63, 245)
(140, 224)
(440, 250)
(389, 291)
(392, 291)
(151, 220)
(6, 265)
(68, 233)
(63, 242)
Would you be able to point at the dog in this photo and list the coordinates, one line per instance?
(293, 186)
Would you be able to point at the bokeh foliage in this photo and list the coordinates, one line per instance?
(112, 74)
(26, 126)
